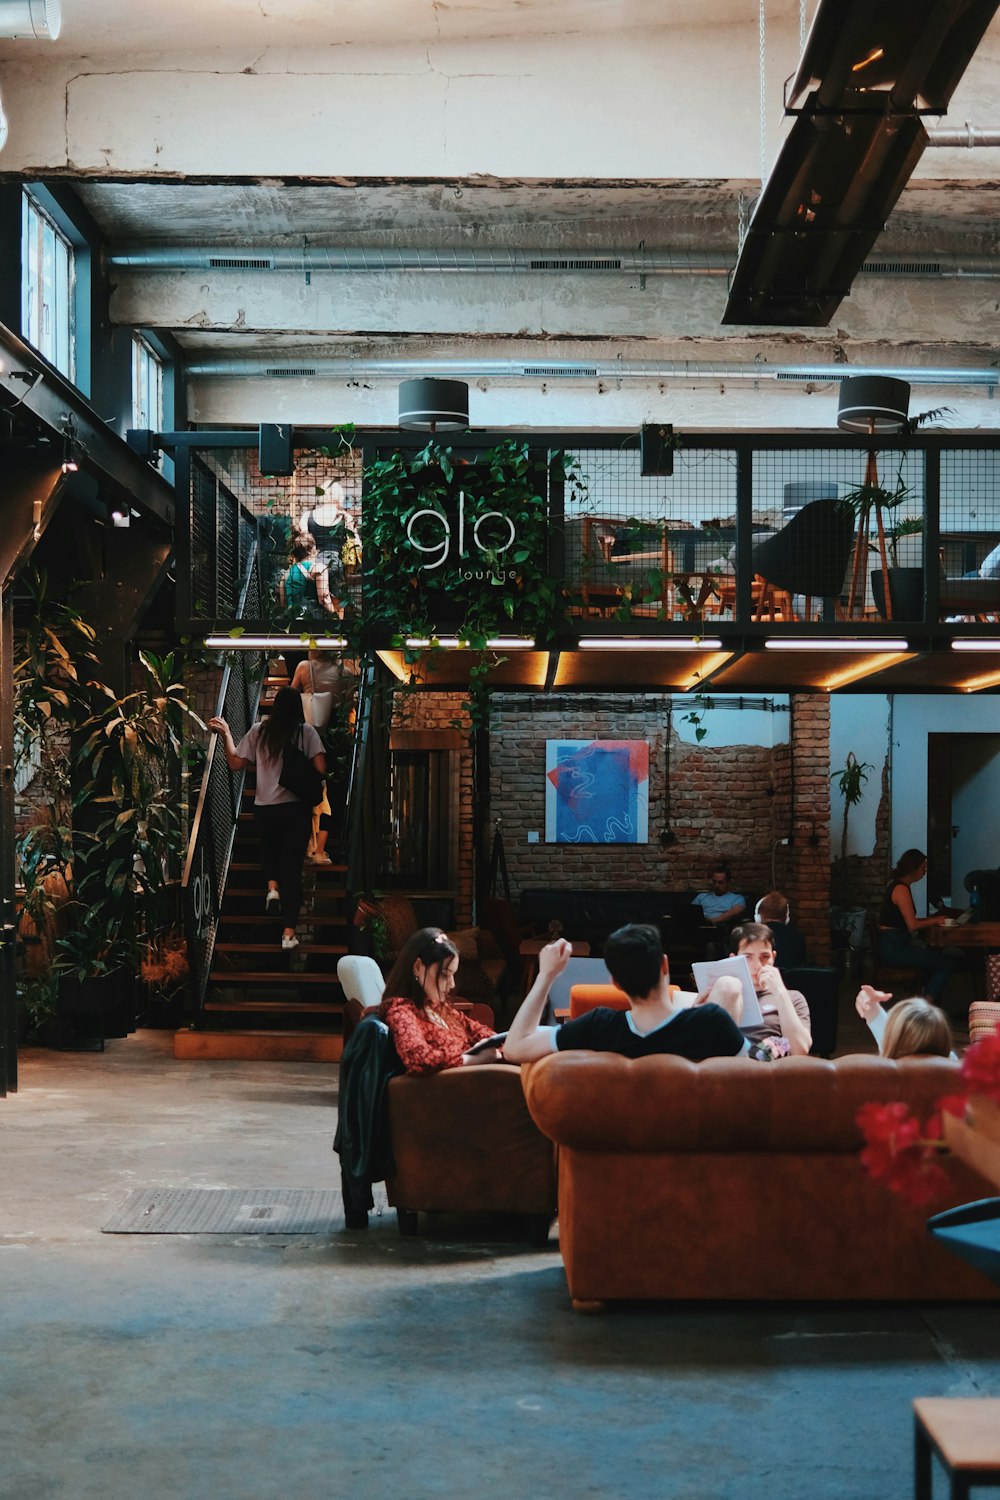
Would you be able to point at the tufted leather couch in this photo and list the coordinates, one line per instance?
(731, 1179)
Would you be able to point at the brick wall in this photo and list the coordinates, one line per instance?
(728, 802)
(294, 494)
(808, 863)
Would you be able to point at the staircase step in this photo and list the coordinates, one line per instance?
(309, 919)
(235, 978)
(279, 1007)
(307, 949)
(259, 1046)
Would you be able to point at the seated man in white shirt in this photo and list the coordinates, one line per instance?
(652, 1024)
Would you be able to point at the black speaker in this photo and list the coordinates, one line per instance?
(276, 455)
(656, 449)
(140, 440)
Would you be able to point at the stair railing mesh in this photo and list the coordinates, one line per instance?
(220, 799)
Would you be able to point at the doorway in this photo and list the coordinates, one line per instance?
(963, 793)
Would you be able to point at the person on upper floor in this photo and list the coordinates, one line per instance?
(652, 1024)
(720, 904)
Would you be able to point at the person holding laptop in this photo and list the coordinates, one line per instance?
(652, 1024)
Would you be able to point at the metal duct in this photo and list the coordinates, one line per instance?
(366, 258)
(506, 262)
(564, 369)
(41, 19)
(965, 135)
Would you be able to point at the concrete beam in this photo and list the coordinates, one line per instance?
(946, 311)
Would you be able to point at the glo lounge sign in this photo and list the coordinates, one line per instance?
(475, 545)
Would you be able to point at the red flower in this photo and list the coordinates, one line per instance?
(981, 1067)
(900, 1154)
(953, 1104)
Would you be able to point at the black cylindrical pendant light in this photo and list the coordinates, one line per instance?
(873, 403)
(434, 404)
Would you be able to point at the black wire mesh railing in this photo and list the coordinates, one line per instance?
(221, 797)
(223, 537)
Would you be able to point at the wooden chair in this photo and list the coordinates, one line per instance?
(899, 982)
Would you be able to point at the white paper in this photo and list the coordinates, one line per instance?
(706, 974)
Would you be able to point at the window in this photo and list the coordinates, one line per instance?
(48, 282)
(147, 387)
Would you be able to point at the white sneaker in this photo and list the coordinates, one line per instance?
(288, 943)
(272, 903)
(320, 859)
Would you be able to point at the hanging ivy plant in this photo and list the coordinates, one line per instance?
(459, 547)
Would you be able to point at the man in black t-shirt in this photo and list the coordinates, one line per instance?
(637, 964)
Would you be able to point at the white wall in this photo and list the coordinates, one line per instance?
(746, 725)
(974, 800)
(859, 723)
(915, 717)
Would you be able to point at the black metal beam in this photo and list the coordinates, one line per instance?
(31, 386)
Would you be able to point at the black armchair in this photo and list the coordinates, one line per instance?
(808, 556)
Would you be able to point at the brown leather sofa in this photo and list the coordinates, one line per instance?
(464, 1143)
(733, 1179)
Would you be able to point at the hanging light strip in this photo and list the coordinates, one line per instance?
(650, 643)
(274, 642)
(452, 643)
(975, 643)
(796, 643)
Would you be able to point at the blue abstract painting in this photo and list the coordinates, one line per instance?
(596, 791)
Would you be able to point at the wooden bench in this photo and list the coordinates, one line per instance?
(965, 1435)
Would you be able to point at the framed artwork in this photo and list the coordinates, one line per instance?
(596, 791)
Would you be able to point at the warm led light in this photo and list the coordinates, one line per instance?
(272, 642)
(865, 668)
(650, 643)
(833, 643)
(975, 684)
(873, 56)
(706, 669)
(392, 660)
(975, 643)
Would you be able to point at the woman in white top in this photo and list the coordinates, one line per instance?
(913, 1028)
(283, 820)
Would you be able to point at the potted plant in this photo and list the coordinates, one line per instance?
(97, 864)
(905, 572)
(847, 917)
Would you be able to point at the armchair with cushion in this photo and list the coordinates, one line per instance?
(807, 557)
(465, 1143)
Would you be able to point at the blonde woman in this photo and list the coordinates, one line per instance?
(913, 1028)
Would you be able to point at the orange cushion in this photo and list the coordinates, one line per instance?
(584, 997)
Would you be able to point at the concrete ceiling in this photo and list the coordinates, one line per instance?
(176, 192)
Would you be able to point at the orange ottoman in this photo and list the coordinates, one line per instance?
(584, 997)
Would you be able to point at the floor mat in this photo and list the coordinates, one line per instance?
(233, 1211)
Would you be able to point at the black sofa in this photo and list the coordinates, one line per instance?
(592, 915)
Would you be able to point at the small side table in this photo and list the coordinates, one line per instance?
(964, 1432)
(529, 950)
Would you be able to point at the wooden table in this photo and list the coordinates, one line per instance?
(968, 935)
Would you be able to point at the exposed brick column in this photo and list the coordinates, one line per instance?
(810, 865)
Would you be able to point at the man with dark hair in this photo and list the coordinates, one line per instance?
(721, 904)
(785, 1012)
(637, 964)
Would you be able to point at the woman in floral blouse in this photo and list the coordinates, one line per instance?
(429, 1033)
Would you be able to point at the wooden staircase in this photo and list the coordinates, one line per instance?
(263, 1003)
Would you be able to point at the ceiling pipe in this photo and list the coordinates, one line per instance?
(965, 135)
(368, 258)
(40, 19)
(391, 260)
(563, 369)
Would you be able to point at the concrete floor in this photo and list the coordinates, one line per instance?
(274, 1366)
